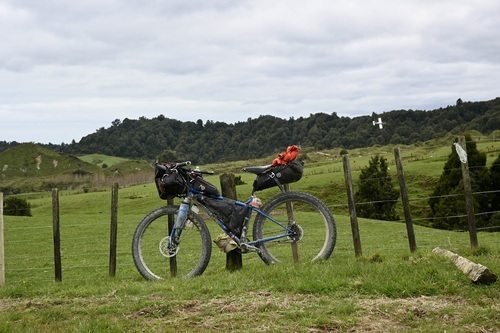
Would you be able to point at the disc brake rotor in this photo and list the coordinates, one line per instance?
(167, 248)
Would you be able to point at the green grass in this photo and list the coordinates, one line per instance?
(100, 159)
(387, 289)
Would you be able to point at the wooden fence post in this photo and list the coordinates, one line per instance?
(234, 260)
(405, 200)
(352, 206)
(469, 203)
(56, 235)
(171, 221)
(113, 230)
(2, 256)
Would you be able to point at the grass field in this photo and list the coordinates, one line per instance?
(387, 289)
(99, 159)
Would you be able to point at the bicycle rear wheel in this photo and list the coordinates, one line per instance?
(151, 236)
(307, 220)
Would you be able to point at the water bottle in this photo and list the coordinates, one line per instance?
(182, 215)
(255, 202)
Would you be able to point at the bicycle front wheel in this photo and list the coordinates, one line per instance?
(306, 220)
(152, 259)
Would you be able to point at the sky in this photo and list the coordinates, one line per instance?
(68, 68)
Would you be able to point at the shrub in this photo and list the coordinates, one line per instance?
(376, 192)
(447, 202)
(13, 206)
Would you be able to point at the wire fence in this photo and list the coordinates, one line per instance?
(27, 253)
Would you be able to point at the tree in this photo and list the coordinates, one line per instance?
(13, 206)
(376, 193)
(495, 188)
(168, 156)
(447, 202)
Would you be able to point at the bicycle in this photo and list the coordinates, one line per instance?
(289, 227)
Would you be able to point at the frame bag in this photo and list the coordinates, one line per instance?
(279, 174)
(231, 214)
(200, 184)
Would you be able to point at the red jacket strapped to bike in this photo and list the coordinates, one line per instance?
(289, 155)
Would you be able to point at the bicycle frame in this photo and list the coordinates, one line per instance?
(286, 218)
(240, 241)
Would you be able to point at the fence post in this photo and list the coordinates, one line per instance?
(234, 260)
(289, 210)
(352, 206)
(404, 199)
(173, 260)
(468, 196)
(113, 230)
(56, 235)
(2, 256)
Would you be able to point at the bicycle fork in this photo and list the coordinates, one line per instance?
(169, 246)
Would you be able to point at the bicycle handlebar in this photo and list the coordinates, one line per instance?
(181, 164)
(196, 170)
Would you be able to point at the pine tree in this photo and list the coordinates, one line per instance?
(448, 202)
(495, 197)
(376, 196)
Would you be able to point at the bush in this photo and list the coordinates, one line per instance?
(13, 206)
(448, 203)
(376, 192)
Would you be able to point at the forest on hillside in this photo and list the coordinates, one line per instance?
(208, 142)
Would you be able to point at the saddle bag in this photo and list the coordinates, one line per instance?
(279, 174)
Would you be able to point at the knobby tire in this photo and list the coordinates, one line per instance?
(194, 251)
(317, 228)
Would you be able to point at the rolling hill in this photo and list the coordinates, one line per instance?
(30, 167)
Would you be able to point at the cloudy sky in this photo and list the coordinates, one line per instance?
(68, 67)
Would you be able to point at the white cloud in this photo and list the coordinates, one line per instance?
(76, 66)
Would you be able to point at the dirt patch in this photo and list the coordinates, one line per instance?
(368, 315)
(277, 312)
(387, 314)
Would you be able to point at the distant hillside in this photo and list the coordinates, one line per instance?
(31, 160)
(103, 161)
(212, 142)
(29, 167)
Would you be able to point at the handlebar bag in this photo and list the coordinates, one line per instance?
(169, 183)
(279, 174)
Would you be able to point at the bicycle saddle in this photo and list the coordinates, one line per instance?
(257, 169)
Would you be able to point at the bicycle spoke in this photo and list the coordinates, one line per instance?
(153, 262)
(311, 227)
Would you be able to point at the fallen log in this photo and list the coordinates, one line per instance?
(476, 272)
